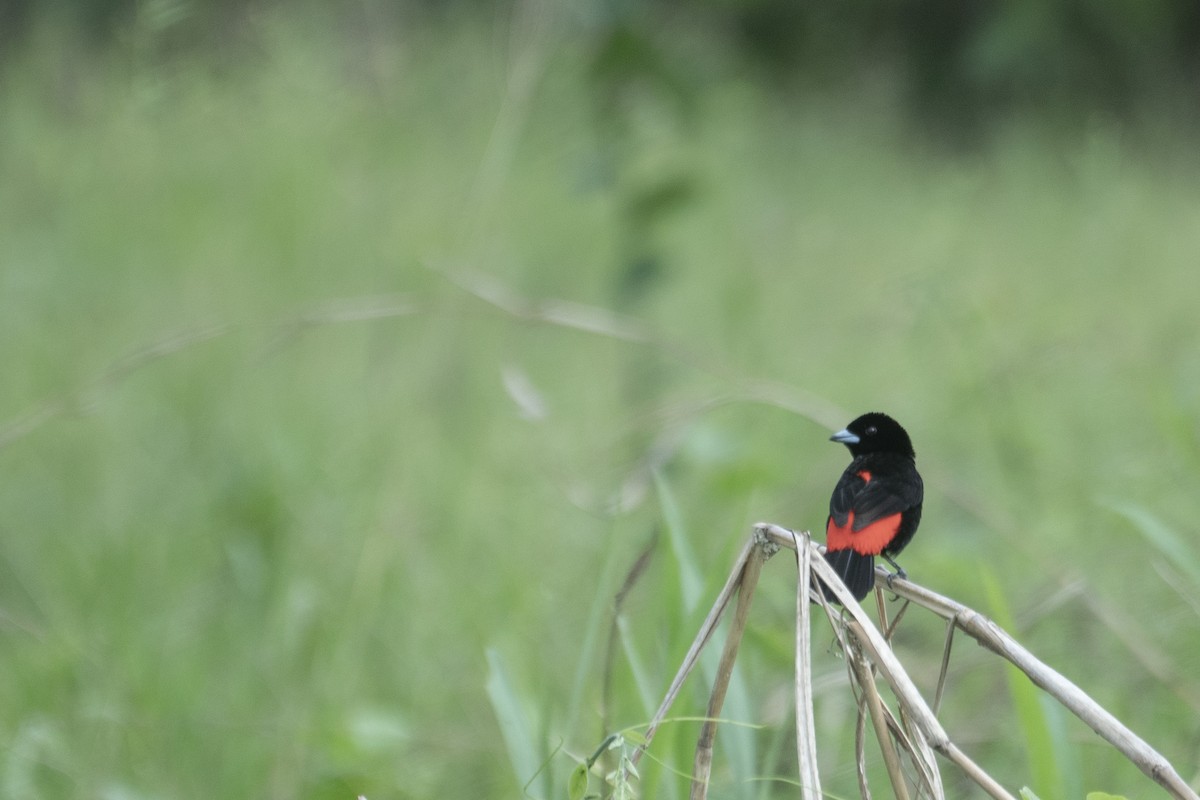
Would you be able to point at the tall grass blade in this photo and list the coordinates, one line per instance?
(515, 726)
(1169, 544)
(593, 633)
(647, 687)
(736, 745)
(690, 583)
(1041, 747)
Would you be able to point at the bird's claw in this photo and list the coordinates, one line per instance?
(899, 573)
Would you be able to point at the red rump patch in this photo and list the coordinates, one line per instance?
(870, 541)
(866, 476)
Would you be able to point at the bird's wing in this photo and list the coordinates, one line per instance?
(874, 495)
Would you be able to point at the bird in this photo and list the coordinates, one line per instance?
(876, 505)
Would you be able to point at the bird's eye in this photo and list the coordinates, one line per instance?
(871, 431)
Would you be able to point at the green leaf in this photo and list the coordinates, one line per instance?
(690, 582)
(646, 685)
(1105, 796)
(592, 636)
(514, 722)
(577, 784)
(1040, 746)
(1027, 794)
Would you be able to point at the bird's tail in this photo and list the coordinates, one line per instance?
(856, 571)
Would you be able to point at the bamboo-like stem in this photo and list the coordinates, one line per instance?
(994, 638)
(890, 628)
(906, 692)
(693, 654)
(941, 684)
(924, 759)
(923, 717)
(891, 759)
(702, 766)
(909, 737)
(1078, 702)
(806, 735)
(632, 575)
(890, 668)
(860, 752)
(921, 733)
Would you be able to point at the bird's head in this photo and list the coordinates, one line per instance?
(875, 433)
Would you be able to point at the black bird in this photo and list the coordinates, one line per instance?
(876, 505)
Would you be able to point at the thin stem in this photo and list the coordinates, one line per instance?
(704, 746)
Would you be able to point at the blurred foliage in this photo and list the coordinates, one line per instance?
(957, 63)
(321, 553)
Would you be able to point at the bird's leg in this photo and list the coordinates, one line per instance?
(900, 573)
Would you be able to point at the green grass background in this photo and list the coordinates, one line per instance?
(272, 562)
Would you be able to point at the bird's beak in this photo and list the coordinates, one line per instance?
(845, 437)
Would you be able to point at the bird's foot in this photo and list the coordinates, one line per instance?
(899, 573)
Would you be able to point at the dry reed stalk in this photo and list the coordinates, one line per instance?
(917, 734)
(995, 639)
(693, 654)
(874, 703)
(806, 735)
(759, 553)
